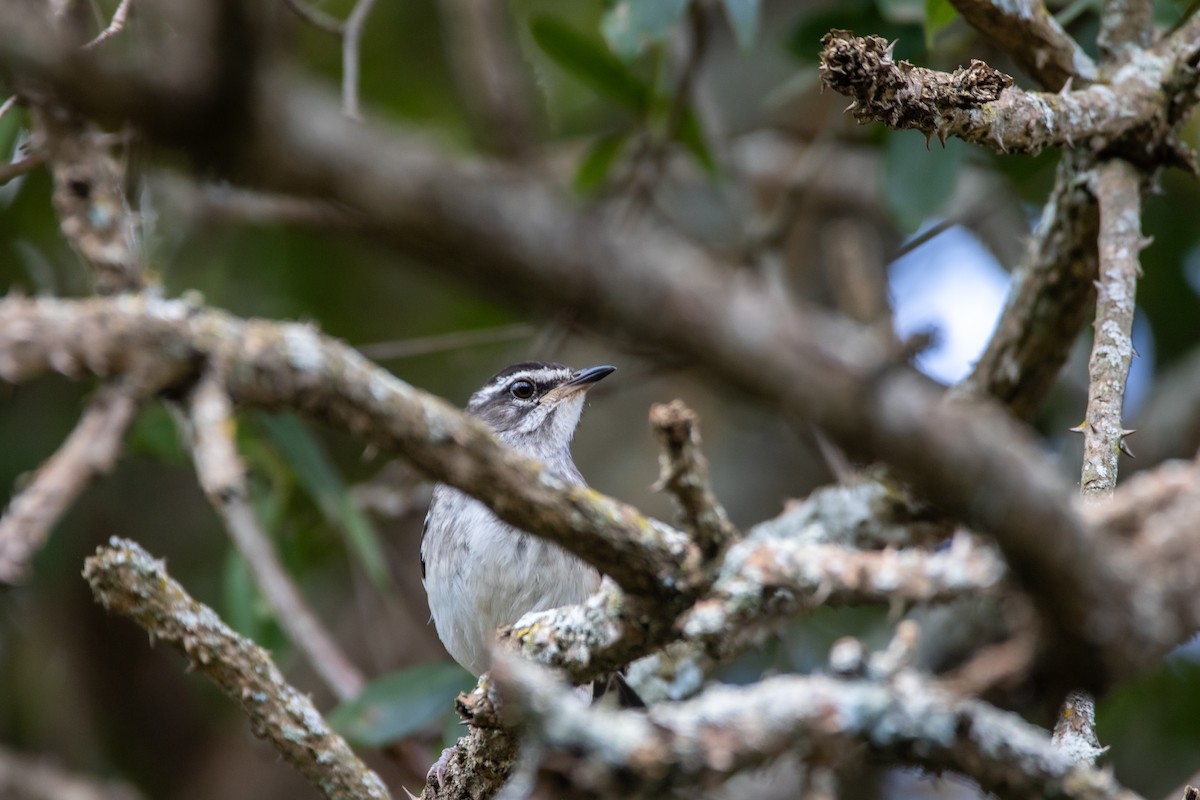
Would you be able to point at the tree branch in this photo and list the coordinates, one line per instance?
(1126, 26)
(1049, 300)
(980, 104)
(90, 450)
(223, 477)
(1029, 33)
(1119, 198)
(683, 471)
(127, 580)
(595, 752)
(292, 366)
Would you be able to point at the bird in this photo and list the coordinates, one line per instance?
(480, 572)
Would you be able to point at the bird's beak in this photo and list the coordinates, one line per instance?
(581, 381)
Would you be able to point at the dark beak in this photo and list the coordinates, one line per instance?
(586, 377)
(581, 381)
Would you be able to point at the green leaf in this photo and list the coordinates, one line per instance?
(318, 476)
(154, 434)
(743, 18)
(630, 25)
(597, 163)
(938, 14)
(919, 180)
(588, 60)
(400, 704)
(244, 608)
(691, 136)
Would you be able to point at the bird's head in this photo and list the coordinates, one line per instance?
(535, 405)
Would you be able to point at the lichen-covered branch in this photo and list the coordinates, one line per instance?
(271, 365)
(1126, 26)
(764, 580)
(683, 470)
(980, 104)
(89, 450)
(1049, 300)
(89, 198)
(128, 581)
(595, 752)
(1119, 196)
(223, 477)
(1028, 32)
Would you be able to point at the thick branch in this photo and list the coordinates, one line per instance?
(294, 367)
(979, 104)
(1029, 33)
(1048, 303)
(594, 752)
(1119, 197)
(90, 450)
(127, 580)
(223, 477)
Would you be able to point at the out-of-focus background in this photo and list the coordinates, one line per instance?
(885, 227)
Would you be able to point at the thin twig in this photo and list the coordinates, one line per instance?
(127, 580)
(316, 17)
(8, 105)
(440, 343)
(223, 478)
(15, 169)
(90, 450)
(114, 27)
(351, 38)
(683, 470)
(1120, 240)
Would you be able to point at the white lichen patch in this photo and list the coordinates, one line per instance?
(302, 348)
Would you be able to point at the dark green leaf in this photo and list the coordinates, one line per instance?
(400, 704)
(591, 62)
(244, 608)
(598, 162)
(919, 180)
(857, 15)
(938, 14)
(743, 18)
(318, 476)
(630, 25)
(691, 136)
(153, 433)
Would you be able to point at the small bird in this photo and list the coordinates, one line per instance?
(479, 572)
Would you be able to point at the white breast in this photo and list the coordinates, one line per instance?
(483, 574)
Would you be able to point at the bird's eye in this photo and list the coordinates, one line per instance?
(522, 390)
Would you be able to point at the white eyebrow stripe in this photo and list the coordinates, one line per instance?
(538, 376)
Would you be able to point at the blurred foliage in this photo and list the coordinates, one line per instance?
(86, 687)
